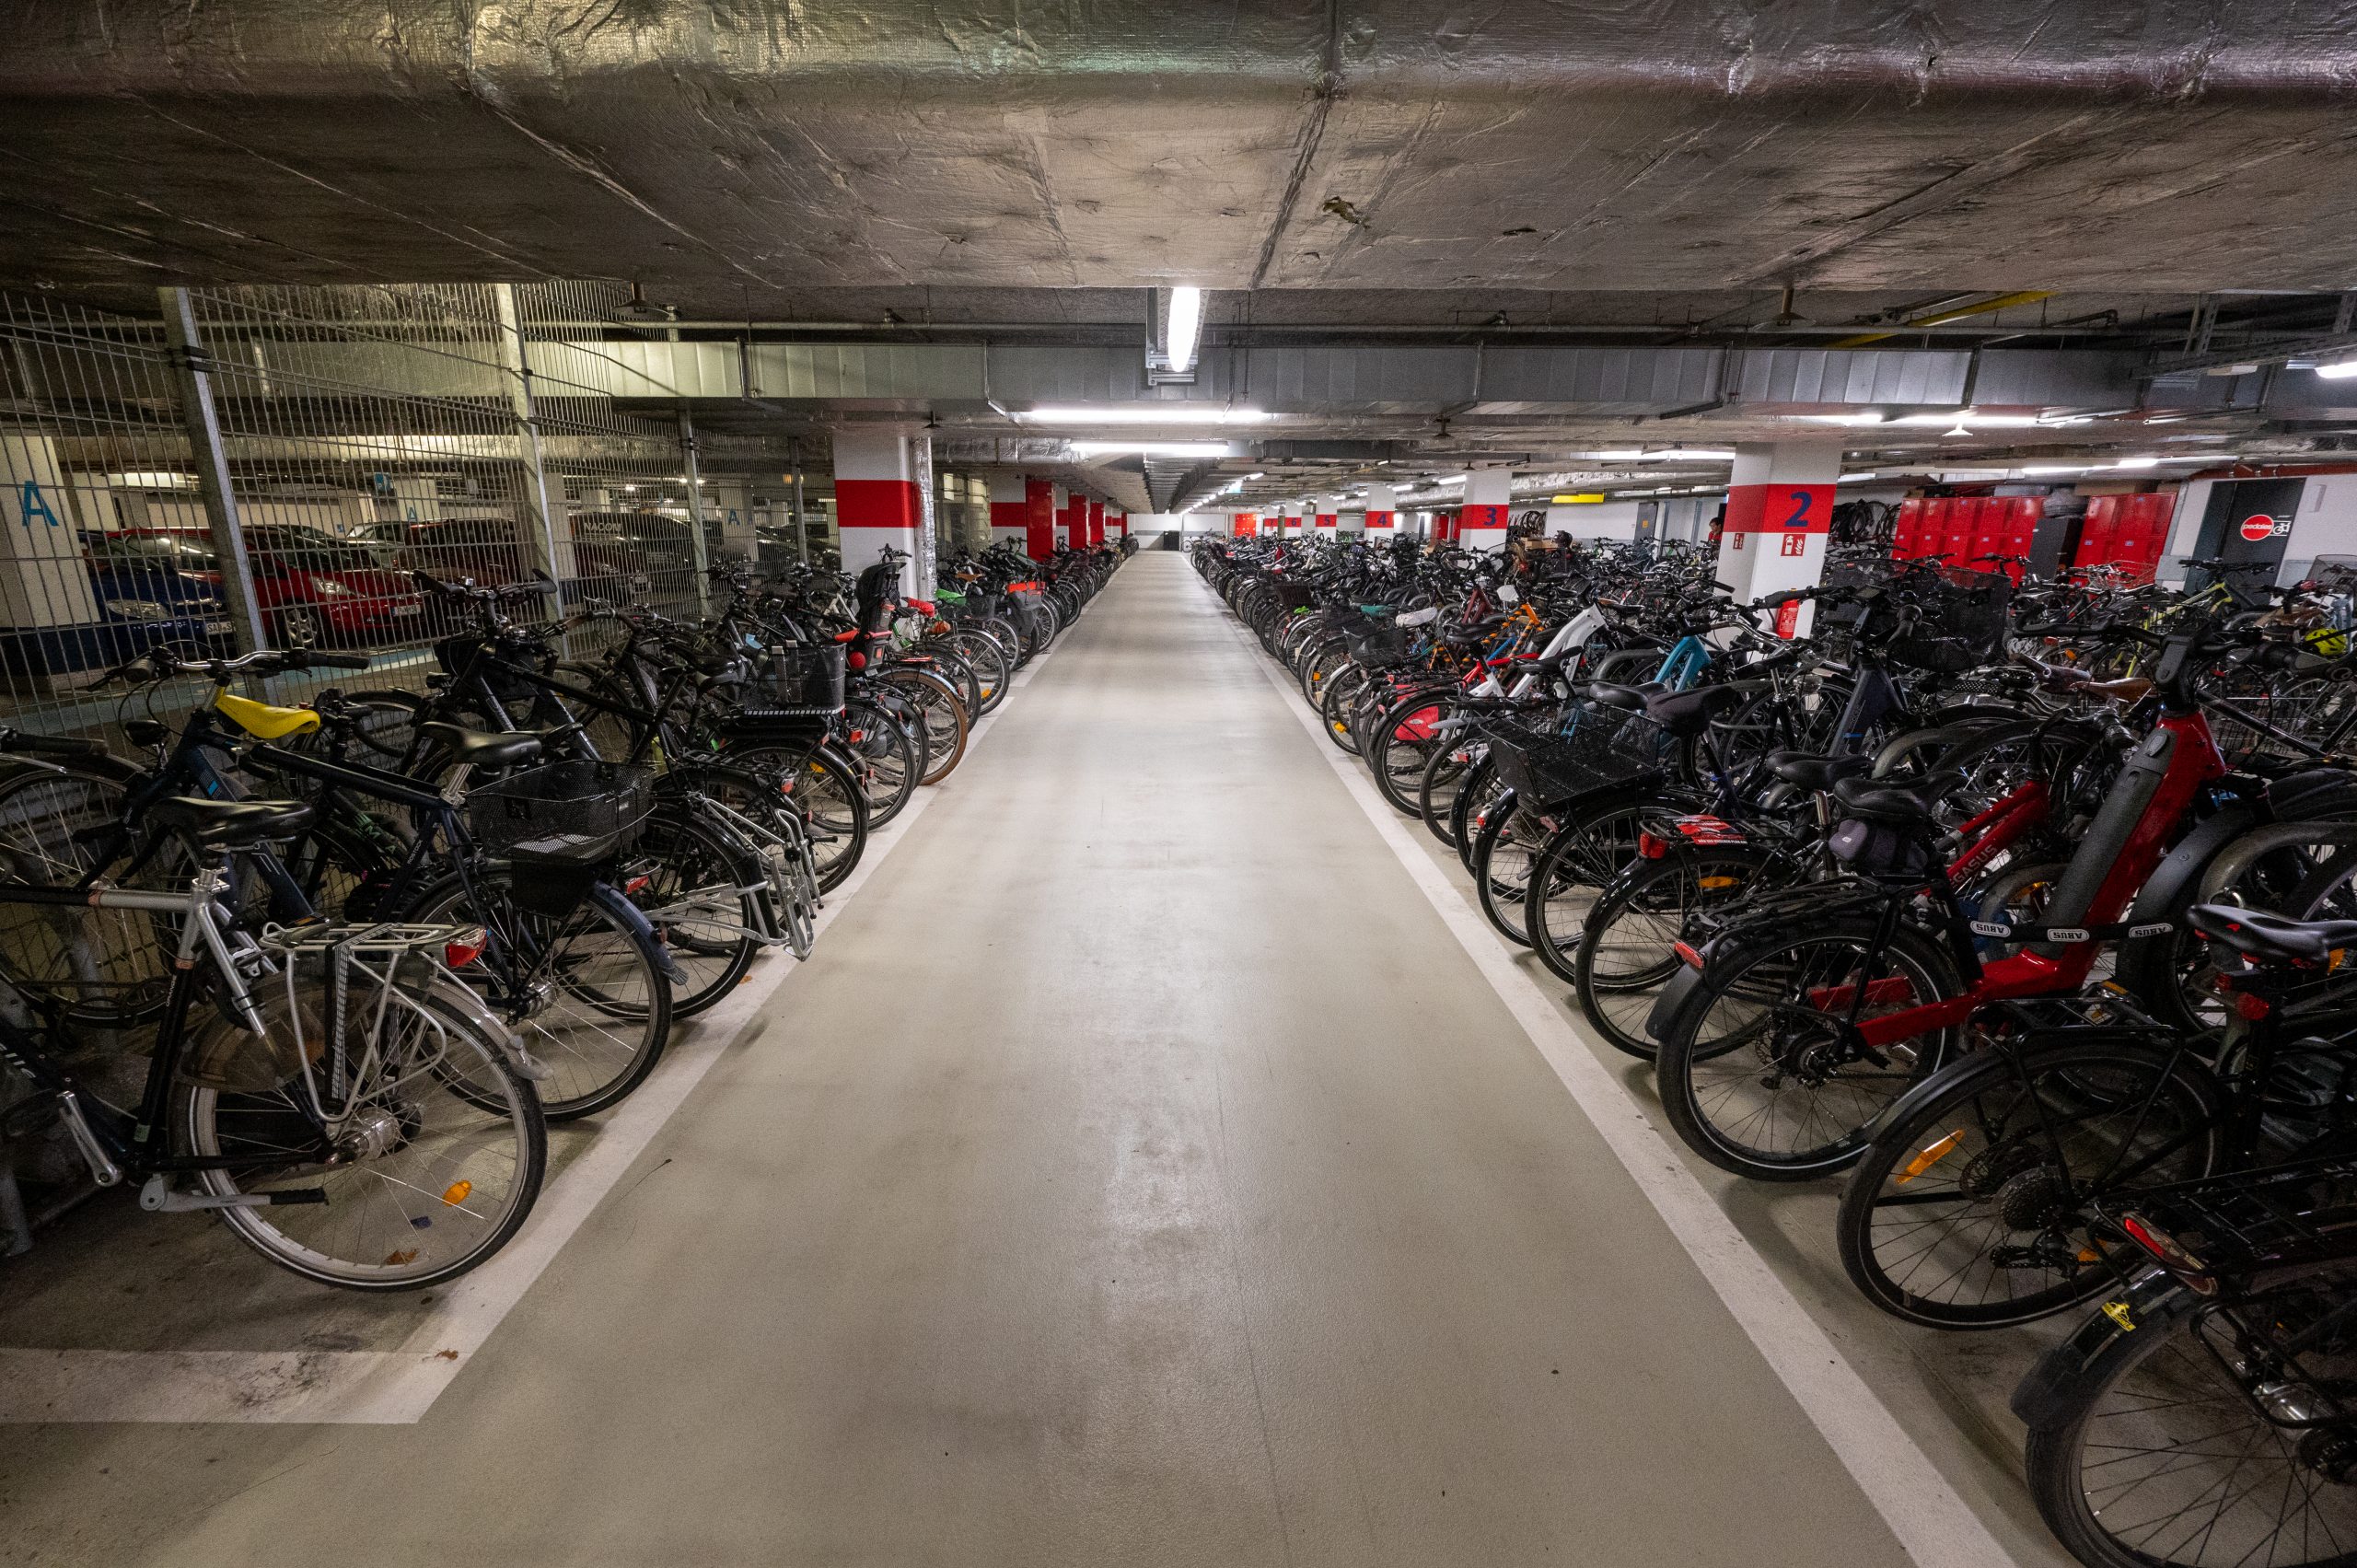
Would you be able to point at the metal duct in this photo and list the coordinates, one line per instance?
(1300, 144)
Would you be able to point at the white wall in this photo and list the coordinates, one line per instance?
(2326, 524)
(1596, 519)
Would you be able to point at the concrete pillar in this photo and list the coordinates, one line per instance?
(1039, 501)
(1482, 521)
(880, 499)
(43, 583)
(1381, 511)
(1326, 514)
(1096, 535)
(732, 509)
(1011, 508)
(1780, 512)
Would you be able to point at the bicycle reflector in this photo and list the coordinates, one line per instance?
(2172, 1254)
(1687, 955)
(1652, 846)
(464, 947)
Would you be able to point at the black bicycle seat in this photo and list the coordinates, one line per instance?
(1685, 713)
(216, 823)
(1814, 772)
(480, 748)
(1899, 805)
(1612, 695)
(2258, 934)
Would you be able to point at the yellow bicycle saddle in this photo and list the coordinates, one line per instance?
(263, 722)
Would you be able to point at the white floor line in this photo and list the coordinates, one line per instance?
(1934, 1524)
(399, 1385)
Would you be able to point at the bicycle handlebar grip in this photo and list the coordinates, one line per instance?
(314, 659)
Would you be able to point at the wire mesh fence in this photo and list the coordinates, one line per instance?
(265, 466)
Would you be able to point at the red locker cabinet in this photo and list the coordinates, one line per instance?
(1906, 538)
(1963, 517)
(1931, 531)
(2144, 535)
(2095, 533)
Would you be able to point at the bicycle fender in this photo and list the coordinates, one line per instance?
(1672, 1000)
(611, 901)
(2172, 887)
(2152, 1302)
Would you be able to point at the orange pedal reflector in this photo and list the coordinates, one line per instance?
(1932, 1154)
(455, 1193)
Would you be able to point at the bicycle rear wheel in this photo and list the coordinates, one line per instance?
(431, 1175)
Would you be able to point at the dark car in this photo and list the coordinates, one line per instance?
(631, 551)
(142, 599)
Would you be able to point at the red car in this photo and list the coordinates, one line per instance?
(310, 586)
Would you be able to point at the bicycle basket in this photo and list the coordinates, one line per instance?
(1603, 749)
(1294, 595)
(1962, 625)
(589, 799)
(1377, 646)
(808, 676)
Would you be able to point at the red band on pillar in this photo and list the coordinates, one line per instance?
(1779, 508)
(1378, 519)
(1039, 508)
(877, 504)
(1480, 518)
(1328, 520)
(1010, 516)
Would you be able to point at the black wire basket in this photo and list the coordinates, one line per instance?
(1294, 595)
(1962, 619)
(808, 676)
(583, 799)
(1378, 645)
(1602, 749)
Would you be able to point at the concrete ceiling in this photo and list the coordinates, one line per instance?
(734, 151)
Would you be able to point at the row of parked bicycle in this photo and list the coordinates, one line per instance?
(328, 969)
(2022, 913)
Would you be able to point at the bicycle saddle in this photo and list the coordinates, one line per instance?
(1898, 805)
(2258, 934)
(484, 748)
(1612, 694)
(1685, 713)
(1814, 772)
(215, 823)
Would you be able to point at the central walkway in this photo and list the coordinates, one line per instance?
(1139, 1173)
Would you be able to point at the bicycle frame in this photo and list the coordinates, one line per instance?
(2179, 761)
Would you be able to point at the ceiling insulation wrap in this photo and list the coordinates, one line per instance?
(763, 143)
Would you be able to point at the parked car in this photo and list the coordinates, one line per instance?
(144, 600)
(309, 585)
(487, 551)
(615, 552)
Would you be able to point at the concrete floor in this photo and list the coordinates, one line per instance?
(1139, 1173)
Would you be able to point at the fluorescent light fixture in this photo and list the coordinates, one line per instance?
(1683, 454)
(2055, 468)
(152, 478)
(2202, 458)
(1843, 418)
(2337, 370)
(1962, 417)
(1147, 413)
(2136, 463)
(1150, 448)
(1182, 327)
(1856, 478)
(1619, 455)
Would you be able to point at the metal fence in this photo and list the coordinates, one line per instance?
(263, 466)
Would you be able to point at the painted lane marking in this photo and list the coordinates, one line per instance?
(1933, 1523)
